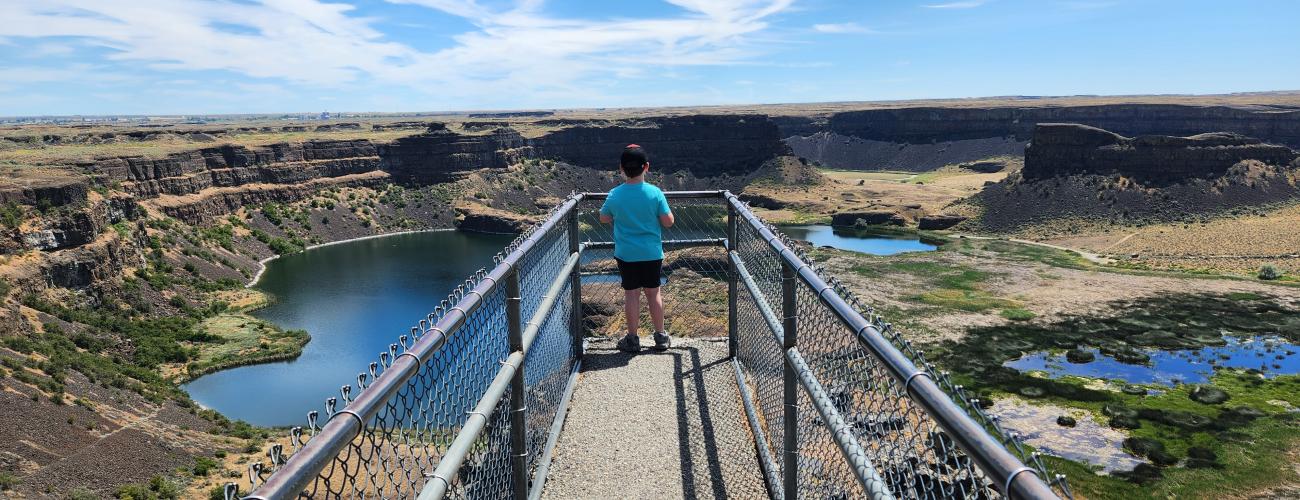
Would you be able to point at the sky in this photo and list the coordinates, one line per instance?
(96, 57)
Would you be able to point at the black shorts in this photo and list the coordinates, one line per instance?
(640, 274)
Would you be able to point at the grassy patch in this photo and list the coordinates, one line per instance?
(243, 340)
(964, 300)
(1247, 439)
(1025, 252)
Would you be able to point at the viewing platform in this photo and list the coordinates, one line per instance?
(779, 384)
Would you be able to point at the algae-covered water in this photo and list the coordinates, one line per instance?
(1269, 355)
(1195, 388)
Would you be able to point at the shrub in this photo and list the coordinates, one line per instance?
(80, 493)
(204, 465)
(11, 215)
(8, 481)
(1017, 314)
(1269, 273)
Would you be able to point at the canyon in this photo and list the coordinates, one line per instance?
(137, 237)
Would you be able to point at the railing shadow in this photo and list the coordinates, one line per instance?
(709, 418)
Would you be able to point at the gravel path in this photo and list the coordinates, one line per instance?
(656, 425)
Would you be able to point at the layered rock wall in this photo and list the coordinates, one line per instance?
(932, 124)
(440, 155)
(704, 145)
(230, 165)
(1065, 149)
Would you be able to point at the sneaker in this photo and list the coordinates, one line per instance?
(662, 341)
(629, 343)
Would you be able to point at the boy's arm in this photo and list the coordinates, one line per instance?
(666, 218)
(605, 217)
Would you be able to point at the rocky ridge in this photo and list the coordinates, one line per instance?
(1069, 148)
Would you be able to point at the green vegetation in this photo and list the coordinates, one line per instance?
(1017, 314)
(204, 466)
(8, 481)
(1269, 273)
(11, 215)
(242, 340)
(158, 488)
(1242, 443)
(280, 246)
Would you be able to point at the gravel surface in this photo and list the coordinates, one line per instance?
(656, 425)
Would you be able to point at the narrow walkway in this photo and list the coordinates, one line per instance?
(656, 425)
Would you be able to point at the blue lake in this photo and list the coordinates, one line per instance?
(1269, 354)
(857, 240)
(354, 299)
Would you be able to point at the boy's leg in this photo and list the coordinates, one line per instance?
(656, 304)
(632, 308)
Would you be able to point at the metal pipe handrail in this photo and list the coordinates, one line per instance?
(473, 428)
(303, 467)
(672, 195)
(866, 474)
(991, 456)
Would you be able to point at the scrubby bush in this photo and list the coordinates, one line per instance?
(1269, 273)
(204, 465)
(11, 215)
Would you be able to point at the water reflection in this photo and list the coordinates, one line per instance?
(858, 240)
(1271, 355)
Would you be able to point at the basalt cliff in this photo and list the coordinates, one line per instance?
(924, 138)
(1075, 171)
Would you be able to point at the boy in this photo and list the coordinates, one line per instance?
(638, 211)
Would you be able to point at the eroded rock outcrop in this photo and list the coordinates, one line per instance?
(704, 145)
(934, 124)
(232, 165)
(440, 155)
(1067, 149)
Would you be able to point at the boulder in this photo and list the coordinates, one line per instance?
(868, 218)
(1208, 394)
(938, 222)
(1066, 421)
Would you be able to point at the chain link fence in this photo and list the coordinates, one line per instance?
(470, 402)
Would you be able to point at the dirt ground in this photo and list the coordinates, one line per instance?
(1235, 244)
(840, 191)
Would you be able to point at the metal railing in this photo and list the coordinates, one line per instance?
(471, 402)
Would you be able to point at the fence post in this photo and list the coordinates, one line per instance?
(789, 312)
(518, 449)
(732, 276)
(575, 288)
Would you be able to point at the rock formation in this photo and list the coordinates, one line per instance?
(703, 145)
(440, 155)
(1066, 149)
(224, 166)
(931, 124)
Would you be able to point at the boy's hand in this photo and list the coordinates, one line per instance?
(605, 219)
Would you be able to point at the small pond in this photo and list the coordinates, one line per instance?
(874, 242)
(1270, 355)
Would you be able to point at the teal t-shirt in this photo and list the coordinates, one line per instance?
(636, 209)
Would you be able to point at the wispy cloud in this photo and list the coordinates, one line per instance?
(842, 28)
(519, 49)
(969, 4)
